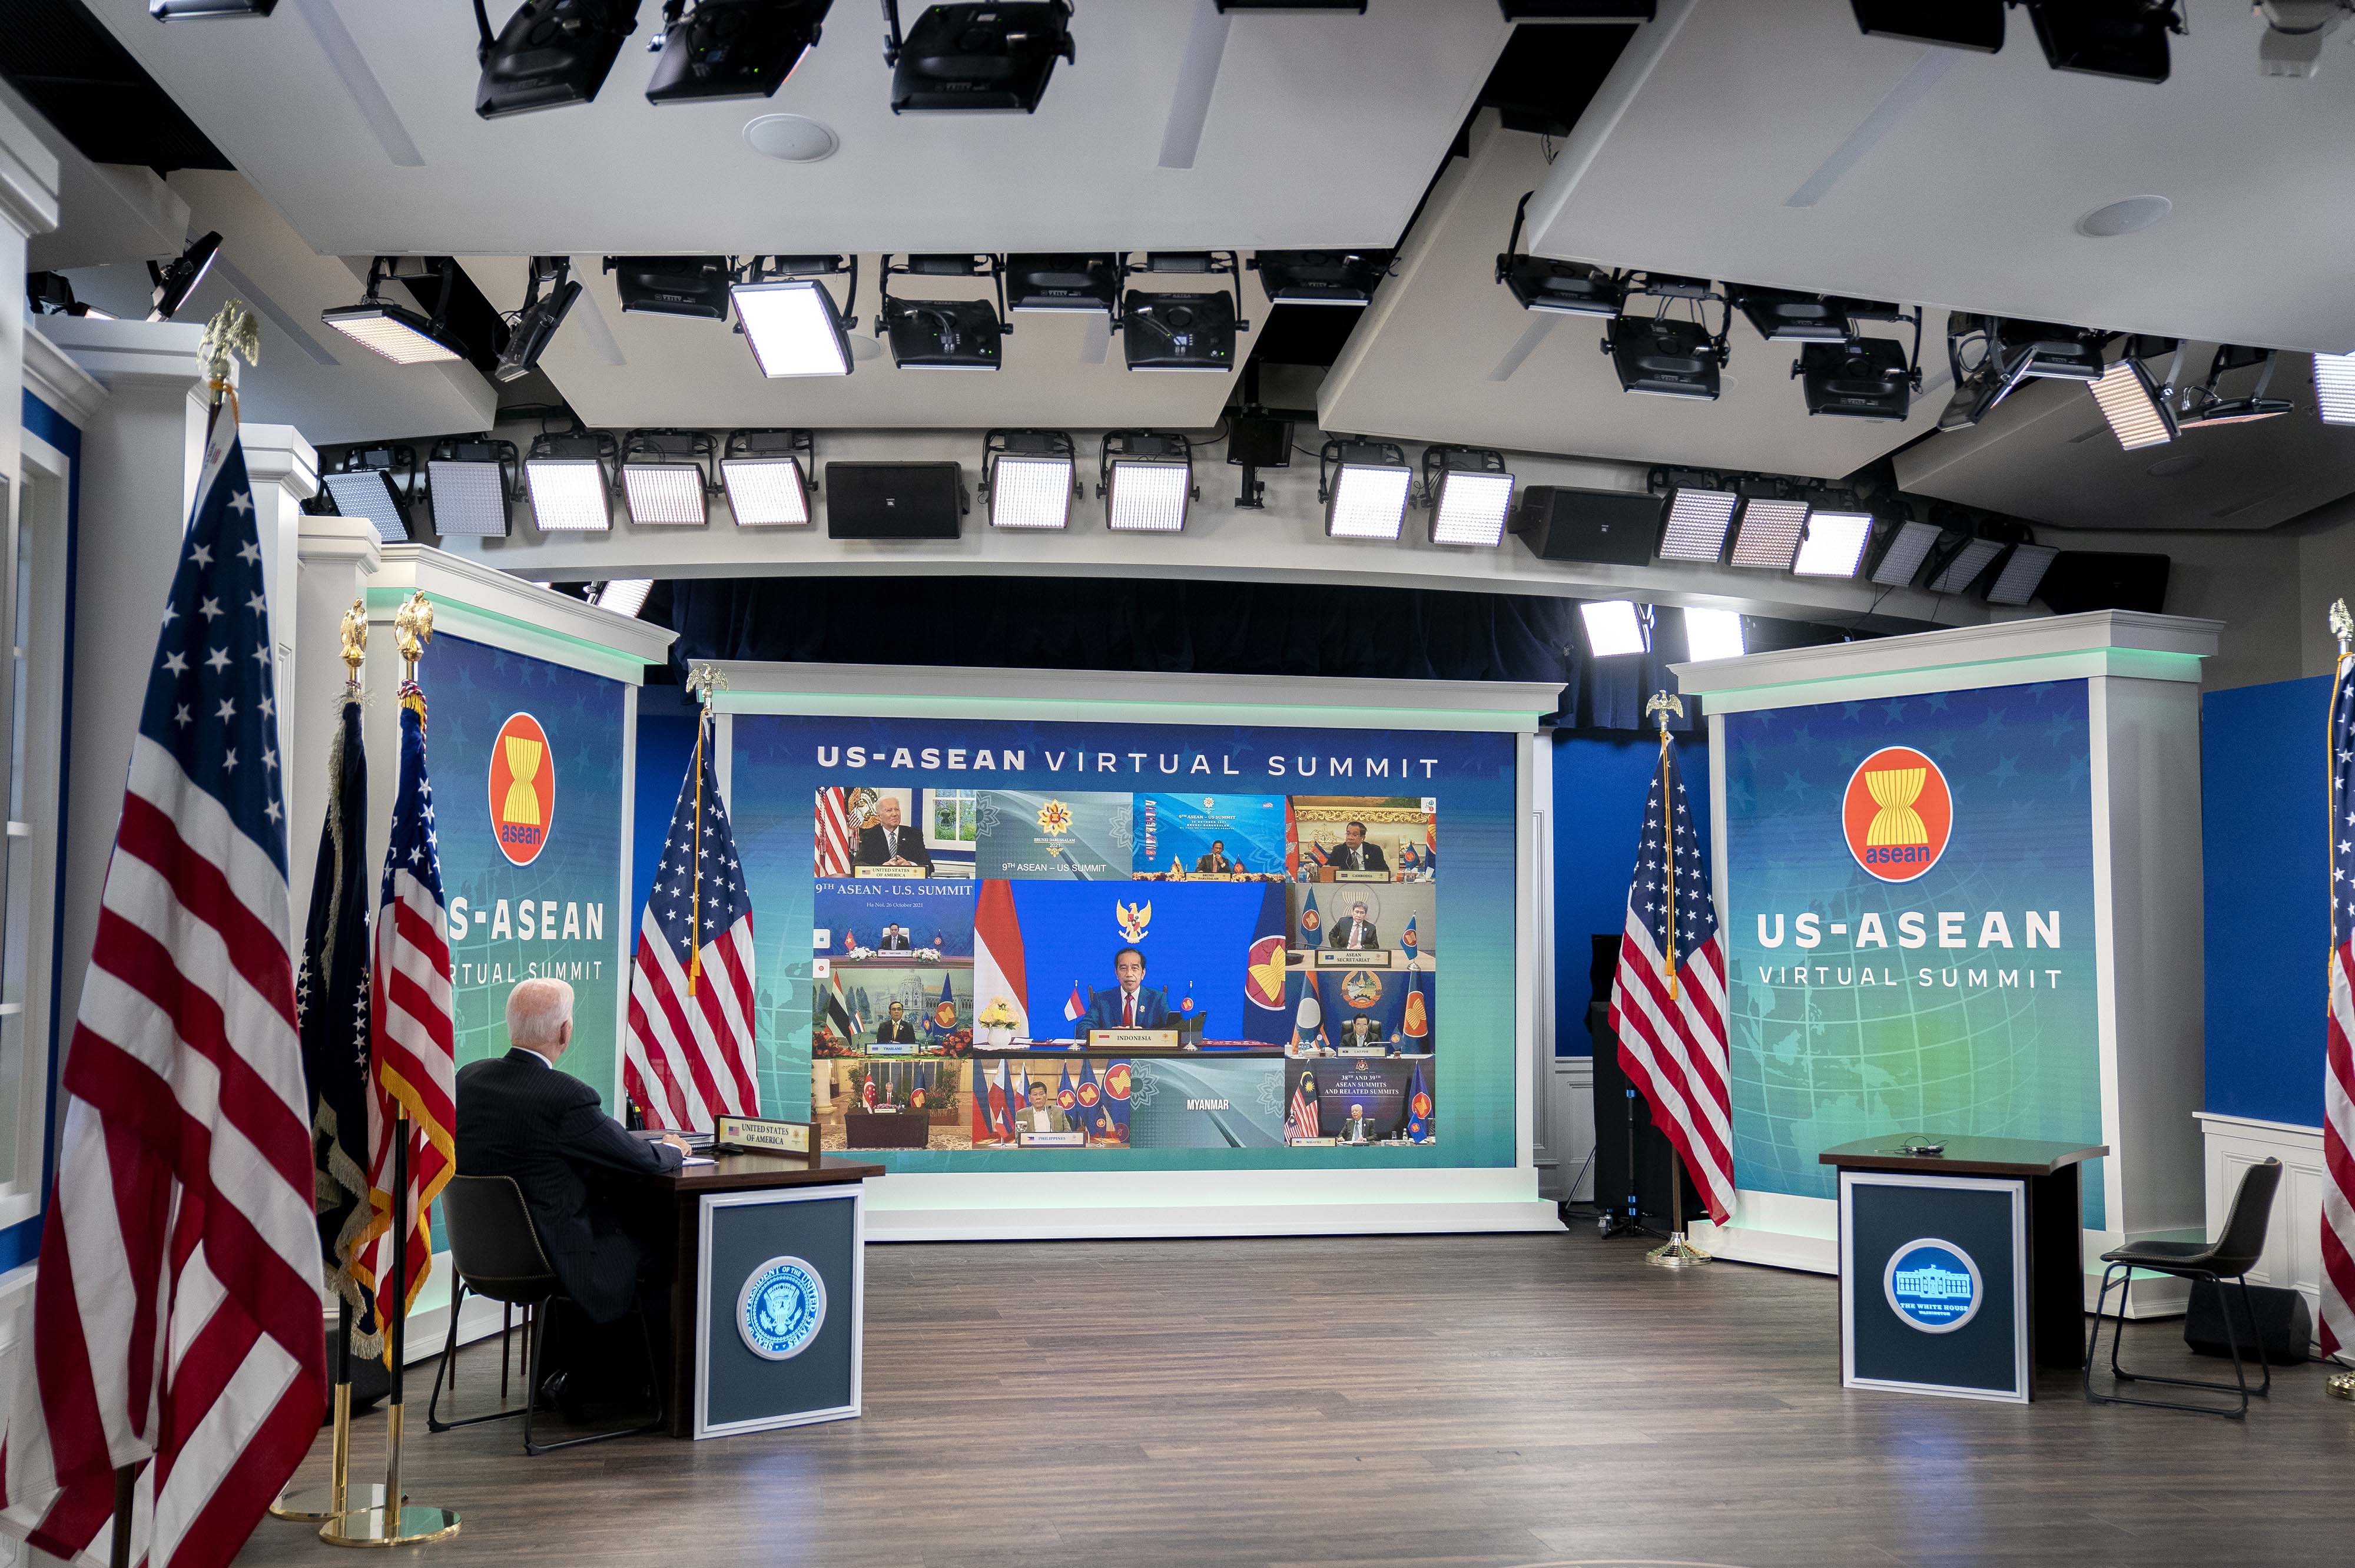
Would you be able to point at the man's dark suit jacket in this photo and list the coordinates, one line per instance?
(871, 851)
(1342, 927)
(1215, 863)
(518, 1117)
(901, 1033)
(888, 942)
(1340, 860)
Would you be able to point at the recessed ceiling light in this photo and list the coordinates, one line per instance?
(790, 138)
(2131, 216)
(2170, 467)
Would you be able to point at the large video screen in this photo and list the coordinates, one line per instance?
(1009, 945)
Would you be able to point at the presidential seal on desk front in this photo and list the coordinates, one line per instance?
(780, 1308)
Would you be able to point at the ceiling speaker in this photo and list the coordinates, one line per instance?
(2081, 580)
(894, 500)
(1614, 527)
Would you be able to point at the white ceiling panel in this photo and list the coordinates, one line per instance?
(357, 118)
(1776, 144)
(1444, 354)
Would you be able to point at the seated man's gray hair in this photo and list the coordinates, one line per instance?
(536, 1010)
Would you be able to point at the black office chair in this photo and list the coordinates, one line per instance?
(497, 1256)
(2229, 1256)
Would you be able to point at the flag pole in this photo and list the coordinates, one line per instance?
(317, 1505)
(394, 1520)
(1675, 1252)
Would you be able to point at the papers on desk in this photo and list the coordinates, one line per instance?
(697, 1159)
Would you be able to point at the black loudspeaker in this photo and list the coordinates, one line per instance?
(1653, 1152)
(2284, 1327)
(1614, 527)
(2098, 579)
(893, 500)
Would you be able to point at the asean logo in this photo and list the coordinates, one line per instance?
(1898, 814)
(780, 1308)
(1088, 1095)
(1068, 1100)
(523, 789)
(1933, 1285)
(1420, 1105)
(1055, 817)
(1115, 1080)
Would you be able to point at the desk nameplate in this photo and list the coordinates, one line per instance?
(1074, 1139)
(1342, 876)
(1132, 1039)
(755, 1134)
(892, 873)
(1353, 958)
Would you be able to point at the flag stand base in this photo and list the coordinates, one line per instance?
(383, 1527)
(2341, 1385)
(317, 1505)
(1677, 1253)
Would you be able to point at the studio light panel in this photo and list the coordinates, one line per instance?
(2022, 574)
(1614, 629)
(2132, 405)
(2334, 387)
(1471, 508)
(666, 494)
(1144, 496)
(1368, 502)
(1697, 523)
(470, 499)
(766, 492)
(1968, 562)
(1713, 634)
(1901, 562)
(1030, 492)
(1834, 546)
(382, 330)
(568, 495)
(625, 595)
(369, 493)
(794, 329)
(1769, 536)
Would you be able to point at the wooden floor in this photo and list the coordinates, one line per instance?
(1495, 1400)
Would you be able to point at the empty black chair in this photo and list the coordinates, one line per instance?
(2229, 1256)
(497, 1254)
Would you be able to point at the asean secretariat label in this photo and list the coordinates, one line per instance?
(780, 1308)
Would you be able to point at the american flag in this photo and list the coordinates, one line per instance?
(411, 1042)
(689, 1057)
(837, 828)
(1671, 1027)
(2337, 1327)
(176, 1319)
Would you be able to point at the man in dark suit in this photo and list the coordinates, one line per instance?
(1355, 931)
(519, 1116)
(1357, 1129)
(1355, 854)
(895, 1030)
(885, 842)
(1128, 1004)
(1216, 861)
(893, 940)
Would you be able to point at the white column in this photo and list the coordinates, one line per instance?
(285, 474)
(335, 558)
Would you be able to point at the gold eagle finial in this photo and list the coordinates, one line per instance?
(355, 638)
(413, 628)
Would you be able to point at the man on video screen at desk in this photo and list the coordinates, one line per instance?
(885, 842)
(895, 1030)
(1357, 1129)
(1355, 854)
(1354, 931)
(893, 940)
(1216, 861)
(1128, 1004)
(1041, 1114)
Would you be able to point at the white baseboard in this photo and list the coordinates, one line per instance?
(1162, 1223)
(2293, 1254)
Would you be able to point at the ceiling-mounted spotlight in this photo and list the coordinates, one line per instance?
(1558, 288)
(731, 49)
(1615, 628)
(402, 335)
(1193, 332)
(2140, 411)
(178, 278)
(788, 314)
(535, 323)
(976, 57)
(943, 334)
(207, 10)
(570, 477)
(1028, 477)
(2294, 32)
(695, 286)
(2021, 573)
(767, 473)
(1902, 549)
(1694, 521)
(1470, 494)
(1833, 544)
(2334, 387)
(1320, 277)
(1668, 357)
(551, 53)
(1785, 316)
(1769, 527)
(1713, 634)
(2210, 408)
(470, 481)
(2106, 37)
(1964, 554)
(1991, 357)
(1862, 377)
(1145, 481)
(1364, 485)
(52, 293)
(623, 595)
(1958, 23)
(364, 487)
(667, 477)
(1068, 281)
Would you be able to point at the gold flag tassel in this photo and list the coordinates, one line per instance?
(701, 682)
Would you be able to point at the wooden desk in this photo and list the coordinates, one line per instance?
(2048, 1257)
(686, 1186)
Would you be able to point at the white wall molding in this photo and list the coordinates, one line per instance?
(1565, 1167)
(480, 602)
(2293, 1255)
(51, 375)
(117, 351)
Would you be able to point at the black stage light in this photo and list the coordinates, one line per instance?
(1991, 355)
(1028, 477)
(1864, 377)
(1964, 554)
(1788, 317)
(1668, 357)
(944, 335)
(1063, 281)
(1561, 288)
(551, 53)
(673, 286)
(731, 49)
(403, 336)
(470, 482)
(2023, 570)
(976, 57)
(667, 477)
(2106, 37)
(537, 322)
(363, 486)
(1182, 331)
(2210, 408)
(52, 293)
(1320, 277)
(1958, 23)
(207, 10)
(177, 279)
